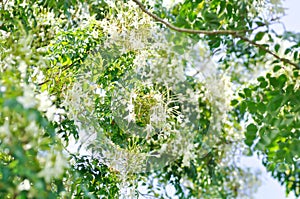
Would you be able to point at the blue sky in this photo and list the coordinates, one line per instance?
(270, 188)
(292, 18)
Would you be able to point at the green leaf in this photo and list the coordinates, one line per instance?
(259, 36)
(277, 46)
(287, 51)
(243, 107)
(263, 84)
(261, 107)
(249, 142)
(251, 130)
(275, 103)
(234, 102)
(282, 80)
(261, 79)
(262, 52)
(259, 146)
(250, 134)
(274, 82)
(247, 92)
(251, 107)
(241, 95)
(276, 68)
(229, 10)
(296, 73)
(296, 55)
(259, 23)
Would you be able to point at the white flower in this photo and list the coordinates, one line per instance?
(51, 112)
(24, 4)
(101, 92)
(23, 68)
(163, 148)
(133, 95)
(186, 182)
(95, 34)
(130, 117)
(54, 167)
(45, 102)
(157, 97)
(151, 3)
(4, 34)
(188, 155)
(40, 77)
(5, 131)
(158, 114)
(46, 105)
(32, 128)
(130, 107)
(25, 185)
(180, 118)
(2, 88)
(149, 128)
(27, 100)
(170, 3)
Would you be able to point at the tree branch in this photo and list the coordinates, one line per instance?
(234, 33)
(169, 25)
(63, 69)
(284, 60)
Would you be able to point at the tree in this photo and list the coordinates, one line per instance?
(129, 99)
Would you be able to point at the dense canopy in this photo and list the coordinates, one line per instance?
(146, 99)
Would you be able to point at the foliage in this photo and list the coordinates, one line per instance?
(99, 100)
(274, 132)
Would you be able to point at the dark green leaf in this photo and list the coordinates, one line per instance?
(276, 68)
(275, 103)
(247, 92)
(234, 102)
(277, 46)
(251, 130)
(259, 36)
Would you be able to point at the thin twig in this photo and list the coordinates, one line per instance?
(145, 195)
(65, 68)
(284, 60)
(234, 33)
(169, 25)
(4, 3)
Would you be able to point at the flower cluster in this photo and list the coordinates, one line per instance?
(127, 27)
